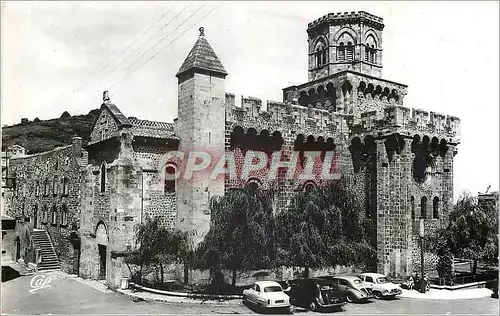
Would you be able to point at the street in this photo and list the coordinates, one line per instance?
(65, 295)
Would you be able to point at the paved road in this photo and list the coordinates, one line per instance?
(65, 295)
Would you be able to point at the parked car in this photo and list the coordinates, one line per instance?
(380, 285)
(268, 295)
(351, 287)
(315, 294)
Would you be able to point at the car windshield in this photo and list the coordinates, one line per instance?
(357, 281)
(382, 280)
(273, 288)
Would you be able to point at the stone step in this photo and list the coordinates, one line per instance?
(48, 264)
(48, 268)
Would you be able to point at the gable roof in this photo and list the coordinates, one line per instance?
(202, 57)
(117, 114)
(141, 128)
(153, 129)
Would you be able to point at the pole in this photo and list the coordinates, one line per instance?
(422, 283)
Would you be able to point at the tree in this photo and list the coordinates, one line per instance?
(471, 233)
(156, 246)
(241, 235)
(326, 226)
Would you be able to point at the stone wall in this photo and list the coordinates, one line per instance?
(200, 126)
(105, 127)
(46, 182)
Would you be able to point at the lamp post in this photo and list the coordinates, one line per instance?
(421, 233)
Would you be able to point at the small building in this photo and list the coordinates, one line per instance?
(46, 202)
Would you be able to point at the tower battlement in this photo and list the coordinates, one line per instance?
(391, 116)
(408, 119)
(341, 17)
(276, 112)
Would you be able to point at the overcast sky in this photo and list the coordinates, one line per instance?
(59, 56)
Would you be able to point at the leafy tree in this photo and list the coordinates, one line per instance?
(156, 246)
(325, 226)
(241, 234)
(471, 233)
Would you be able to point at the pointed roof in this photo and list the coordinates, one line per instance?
(202, 57)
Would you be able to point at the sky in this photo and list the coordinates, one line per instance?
(61, 56)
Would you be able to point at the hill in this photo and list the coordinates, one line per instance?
(38, 136)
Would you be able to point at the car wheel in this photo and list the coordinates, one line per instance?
(350, 298)
(377, 294)
(313, 306)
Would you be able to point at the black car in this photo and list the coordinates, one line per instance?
(315, 294)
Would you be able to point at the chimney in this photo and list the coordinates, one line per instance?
(77, 146)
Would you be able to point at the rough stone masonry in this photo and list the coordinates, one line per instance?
(399, 159)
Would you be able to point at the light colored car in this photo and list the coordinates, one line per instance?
(380, 285)
(267, 294)
(353, 289)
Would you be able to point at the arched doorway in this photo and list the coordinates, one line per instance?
(101, 236)
(76, 244)
(35, 216)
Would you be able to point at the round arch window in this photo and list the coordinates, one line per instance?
(253, 185)
(308, 187)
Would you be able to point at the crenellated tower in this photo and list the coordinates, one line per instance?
(345, 41)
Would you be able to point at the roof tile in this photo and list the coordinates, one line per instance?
(203, 57)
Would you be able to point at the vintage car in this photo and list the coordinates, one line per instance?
(380, 285)
(351, 287)
(268, 295)
(315, 294)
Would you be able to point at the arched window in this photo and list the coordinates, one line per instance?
(371, 49)
(103, 178)
(423, 208)
(341, 52)
(44, 214)
(54, 215)
(65, 186)
(349, 51)
(412, 205)
(435, 207)
(169, 185)
(55, 186)
(309, 186)
(253, 184)
(46, 187)
(321, 54)
(64, 215)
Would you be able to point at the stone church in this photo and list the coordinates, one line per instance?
(88, 200)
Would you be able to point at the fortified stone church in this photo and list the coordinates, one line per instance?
(85, 202)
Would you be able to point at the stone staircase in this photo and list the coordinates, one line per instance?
(49, 258)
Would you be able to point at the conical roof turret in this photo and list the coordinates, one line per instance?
(202, 58)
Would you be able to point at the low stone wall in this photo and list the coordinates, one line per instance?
(186, 295)
(244, 278)
(466, 286)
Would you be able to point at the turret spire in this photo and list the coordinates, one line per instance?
(202, 58)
